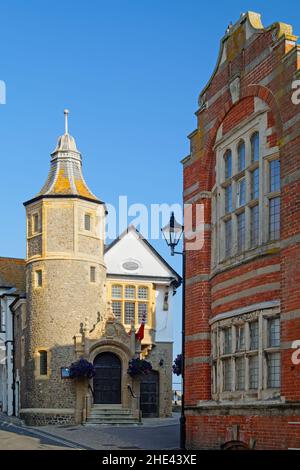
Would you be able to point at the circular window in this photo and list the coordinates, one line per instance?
(130, 265)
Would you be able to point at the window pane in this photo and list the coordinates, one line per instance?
(117, 309)
(241, 156)
(274, 370)
(130, 292)
(253, 327)
(228, 238)
(43, 362)
(241, 193)
(253, 372)
(227, 341)
(240, 373)
(255, 147)
(87, 222)
(228, 199)
(274, 218)
(240, 338)
(274, 175)
(143, 292)
(227, 374)
(116, 292)
(228, 164)
(255, 184)
(254, 226)
(129, 312)
(241, 231)
(274, 332)
(142, 309)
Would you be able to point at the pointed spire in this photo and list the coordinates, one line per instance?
(65, 176)
(66, 143)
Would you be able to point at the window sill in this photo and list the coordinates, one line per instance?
(270, 247)
(229, 405)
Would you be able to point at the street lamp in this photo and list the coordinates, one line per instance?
(172, 233)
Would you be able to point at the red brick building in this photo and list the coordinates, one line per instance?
(243, 286)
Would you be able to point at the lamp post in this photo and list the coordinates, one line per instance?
(172, 233)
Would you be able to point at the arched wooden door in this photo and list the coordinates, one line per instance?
(149, 395)
(107, 380)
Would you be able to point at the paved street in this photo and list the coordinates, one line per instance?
(153, 434)
(13, 437)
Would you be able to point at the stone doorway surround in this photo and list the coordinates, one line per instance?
(108, 335)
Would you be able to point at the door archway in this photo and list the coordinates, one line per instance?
(107, 380)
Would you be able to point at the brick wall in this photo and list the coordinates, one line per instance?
(265, 61)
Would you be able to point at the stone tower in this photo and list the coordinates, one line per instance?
(65, 277)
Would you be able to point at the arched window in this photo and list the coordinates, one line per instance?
(241, 156)
(246, 195)
(228, 164)
(255, 147)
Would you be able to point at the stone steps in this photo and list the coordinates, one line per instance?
(111, 416)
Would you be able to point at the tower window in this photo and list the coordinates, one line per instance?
(39, 278)
(92, 274)
(87, 222)
(43, 362)
(35, 223)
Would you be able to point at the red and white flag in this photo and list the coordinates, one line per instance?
(140, 333)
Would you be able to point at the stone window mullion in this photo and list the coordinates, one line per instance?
(247, 228)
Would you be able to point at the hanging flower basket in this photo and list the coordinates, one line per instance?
(82, 369)
(177, 366)
(138, 367)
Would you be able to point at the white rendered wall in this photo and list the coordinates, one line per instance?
(164, 325)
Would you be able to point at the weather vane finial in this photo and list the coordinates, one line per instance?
(66, 112)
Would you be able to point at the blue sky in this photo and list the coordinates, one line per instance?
(130, 72)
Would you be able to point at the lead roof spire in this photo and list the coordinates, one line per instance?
(65, 176)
